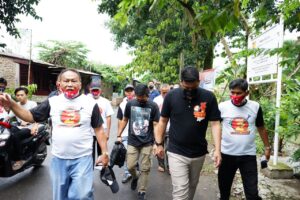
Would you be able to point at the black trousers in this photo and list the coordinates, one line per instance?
(248, 169)
(96, 146)
(17, 136)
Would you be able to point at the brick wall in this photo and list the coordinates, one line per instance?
(10, 71)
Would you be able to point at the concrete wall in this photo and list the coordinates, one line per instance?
(10, 71)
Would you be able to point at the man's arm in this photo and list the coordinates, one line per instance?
(108, 125)
(264, 136)
(102, 141)
(20, 112)
(159, 133)
(216, 133)
(121, 127)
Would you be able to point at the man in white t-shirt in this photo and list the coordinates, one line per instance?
(105, 109)
(129, 95)
(159, 100)
(240, 120)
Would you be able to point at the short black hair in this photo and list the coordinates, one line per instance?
(189, 74)
(141, 90)
(21, 89)
(3, 81)
(239, 83)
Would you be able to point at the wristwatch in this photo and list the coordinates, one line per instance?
(105, 153)
(158, 144)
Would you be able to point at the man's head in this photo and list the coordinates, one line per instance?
(190, 81)
(95, 89)
(129, 91)
(21, 95)
(3, 84)
(238, 91)
(151, 85)
(70, 83)
(142, 93)
(164, 89)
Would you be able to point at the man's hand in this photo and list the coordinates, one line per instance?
(5, 100)
(119, 139)
(104, 159)
(159, 151)
(217, 158)
(34, 129)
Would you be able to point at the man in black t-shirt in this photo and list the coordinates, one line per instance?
(189, 109)
(142, 115)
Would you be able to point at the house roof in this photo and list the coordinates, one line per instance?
(23, 60)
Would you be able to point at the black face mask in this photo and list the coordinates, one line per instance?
(2, 89)
(190, 94)
(142, 103)
(151, 87)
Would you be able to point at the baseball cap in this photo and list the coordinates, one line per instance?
(108, 177)
(129, 86)
(95, 85)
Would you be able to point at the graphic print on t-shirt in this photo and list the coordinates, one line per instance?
(70, 117)
(240, 126)
(140, 118)
(200, 111)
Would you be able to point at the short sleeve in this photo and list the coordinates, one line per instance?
(110, 110)
(41, 112)
(120, 114)
(127, 110)
(259, 122)
(214, 112)
(156, 113)
(96, 119)
(166, 107)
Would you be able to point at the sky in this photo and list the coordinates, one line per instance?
(76, 20)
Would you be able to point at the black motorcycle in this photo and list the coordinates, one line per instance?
(34, 148)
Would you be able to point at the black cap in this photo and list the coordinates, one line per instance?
(129, 86)
(108, 177)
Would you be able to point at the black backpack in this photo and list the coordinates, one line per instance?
(118, 154)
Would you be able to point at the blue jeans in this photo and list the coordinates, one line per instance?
(72, 178)
(125, 142)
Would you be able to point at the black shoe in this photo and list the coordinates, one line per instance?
(141, 195)
(126, 178)
(134, 183)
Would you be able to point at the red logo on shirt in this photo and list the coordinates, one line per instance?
(70, 117)
(240, 126)
(200, 111)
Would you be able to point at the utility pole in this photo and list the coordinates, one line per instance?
(29, 63)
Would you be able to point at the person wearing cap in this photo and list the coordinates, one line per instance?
(105, 109)
(142, 115)
(129, 95)
(75, 118)
(189, 110)
(163, 162)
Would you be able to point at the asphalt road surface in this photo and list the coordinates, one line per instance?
(35, 184)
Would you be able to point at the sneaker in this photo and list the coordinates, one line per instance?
(141, 195)
(126, 178)
(134, 183)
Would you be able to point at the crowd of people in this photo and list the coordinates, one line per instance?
(169, 122)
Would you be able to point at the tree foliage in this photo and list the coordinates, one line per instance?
(9, 11)
(64, 53)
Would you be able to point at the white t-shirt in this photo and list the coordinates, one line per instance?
(72, 134)
(106, 109)
(27, 106)
(159, 100)
(239, 128)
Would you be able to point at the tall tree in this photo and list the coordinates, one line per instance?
(65, 53)
(9, 11)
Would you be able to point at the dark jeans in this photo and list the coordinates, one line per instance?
(163, 162)
(17, 136)
(99, 152)
(248, 169)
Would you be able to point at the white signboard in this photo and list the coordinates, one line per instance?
(264, 64)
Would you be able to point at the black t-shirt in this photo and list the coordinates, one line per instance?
(141, 118)
(189, 120)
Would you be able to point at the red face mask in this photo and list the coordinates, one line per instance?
(96, 93)
(237, 100)
(71, 94)
(130, 97)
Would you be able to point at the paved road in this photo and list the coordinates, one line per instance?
(35, 184)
